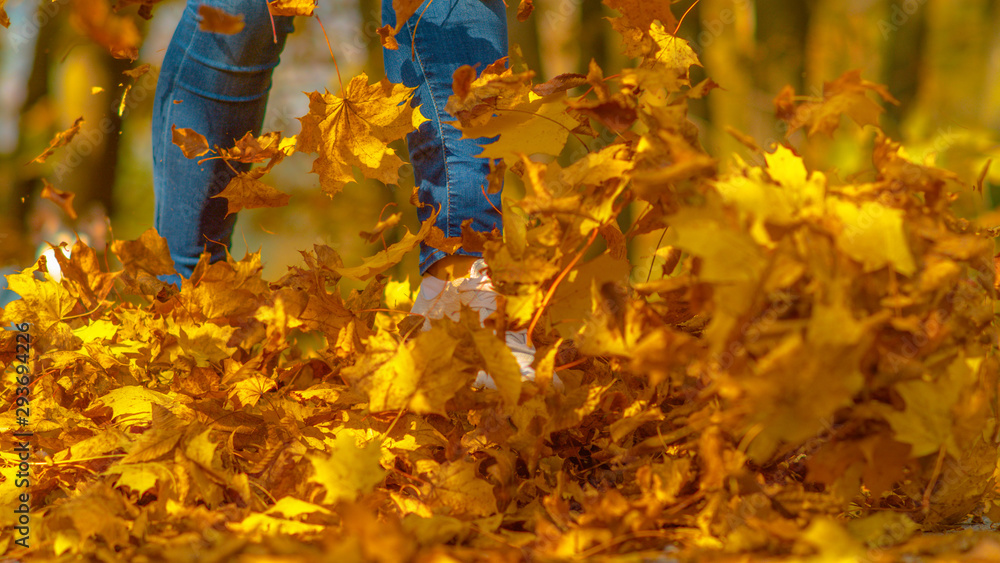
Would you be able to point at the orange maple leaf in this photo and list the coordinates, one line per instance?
(355, 130)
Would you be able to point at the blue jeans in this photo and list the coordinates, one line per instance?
(218, 85)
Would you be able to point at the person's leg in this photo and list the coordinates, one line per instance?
(217, 85)
(449, 176)
(451, 33)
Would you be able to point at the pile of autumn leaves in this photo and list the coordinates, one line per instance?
(811, 372)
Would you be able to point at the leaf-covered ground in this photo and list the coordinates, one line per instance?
(810, 372)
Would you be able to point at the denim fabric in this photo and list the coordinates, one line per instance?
(217, 85)
(222, 83)
(450, 33)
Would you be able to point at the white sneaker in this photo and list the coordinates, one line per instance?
(439, 298)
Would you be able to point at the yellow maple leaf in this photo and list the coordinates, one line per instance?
(265, 524)
(729, 253)
(421, 374)
(348, 470)
(390, 256)
(672, 51)
(354, 130)
(873, 234)
(205, 343)
(456, 485)
(246, 191)
(43, 303)
(140, 477)
(249, 391)
(926, 422)
(135, 403)
(540, 126)
(226, 288)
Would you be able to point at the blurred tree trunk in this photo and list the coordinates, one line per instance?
(70, 77)
(726, 45)
(782, 33)
(524, 35)
(843, 35)
(35, 123)
(598, 41)
(991, 99)
(87, 166)
(954, 81)
(369, 10)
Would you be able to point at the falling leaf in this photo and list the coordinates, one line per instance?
(60, 140)
(387, 37)
(214, 20)
(354, 130)
(141, 69)
(191, 143)
(524, 9)
(542, 126)
(292, 7)
(245, 191)
(845, 95)
(63, 199)
(381, 227)
(390, 256)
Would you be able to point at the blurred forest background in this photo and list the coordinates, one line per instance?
(939, 58)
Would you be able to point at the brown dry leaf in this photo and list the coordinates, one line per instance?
(246, 191)
(845, 95)
(83, 268)
(404, 10)
(149, 253)
(387, 37)
(292, 7)
(63, 199)
(638, 16)
(355, 129)
(258, 149)
(524, 9)
(616, 113)
(137, 71)
(437, 239)
(61, 139)
(4, 18)
(641, 14)
(192, 143)
(476, 99)
(559, 83)
(214, 20)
